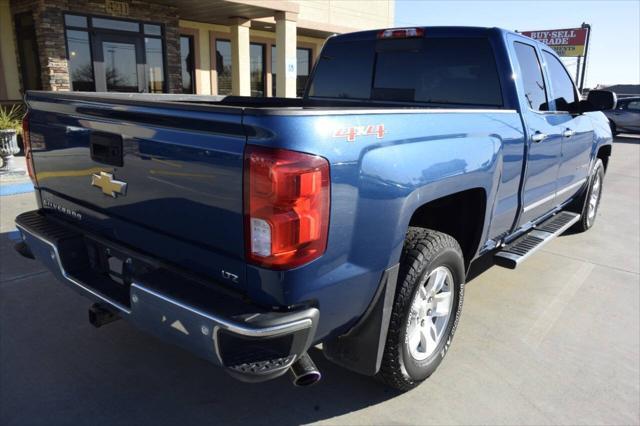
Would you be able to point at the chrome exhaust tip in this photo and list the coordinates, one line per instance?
(304, 371)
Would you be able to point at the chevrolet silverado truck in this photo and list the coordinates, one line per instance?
(249, 230)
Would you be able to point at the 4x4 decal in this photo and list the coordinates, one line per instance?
(350, 133)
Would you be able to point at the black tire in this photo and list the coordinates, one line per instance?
(424, 250)
(586, 219)
(614, 129)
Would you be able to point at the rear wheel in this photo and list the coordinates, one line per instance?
(426, 309)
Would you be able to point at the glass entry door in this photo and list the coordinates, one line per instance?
(118, 63)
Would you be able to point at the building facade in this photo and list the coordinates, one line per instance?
(211, 47)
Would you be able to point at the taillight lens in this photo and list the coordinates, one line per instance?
(26, 141)
(286, 207)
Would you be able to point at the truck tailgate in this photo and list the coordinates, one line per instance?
(130, 167)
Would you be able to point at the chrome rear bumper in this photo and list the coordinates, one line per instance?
(253, 344)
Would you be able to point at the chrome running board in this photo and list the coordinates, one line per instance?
(520, 249)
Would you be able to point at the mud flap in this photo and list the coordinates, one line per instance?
(361, 349)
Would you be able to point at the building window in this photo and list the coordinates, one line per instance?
(187, 64)
(304, 60)
(114, 55)
(80, 65)
(304, 63)
(223, 66)
(154, 65)
(256, 54)
(121, 71)
(28, 51)
(274, 68)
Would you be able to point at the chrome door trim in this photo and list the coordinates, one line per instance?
(554, 195)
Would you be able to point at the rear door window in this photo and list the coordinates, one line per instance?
(562, 88)
(531, 76)
(440, 71)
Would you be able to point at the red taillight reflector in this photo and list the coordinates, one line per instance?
(401, 33)
(26, 141)
(286, 207)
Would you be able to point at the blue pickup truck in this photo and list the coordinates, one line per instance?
(249, 230)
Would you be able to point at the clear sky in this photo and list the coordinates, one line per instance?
(614, 56)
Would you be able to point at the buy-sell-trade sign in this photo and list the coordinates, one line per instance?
(569, 42)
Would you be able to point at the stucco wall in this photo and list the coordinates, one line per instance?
(354, 14)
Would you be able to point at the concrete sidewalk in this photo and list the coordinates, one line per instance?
(556, 341)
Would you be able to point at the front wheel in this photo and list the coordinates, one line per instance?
(426, 308)
(592, 201)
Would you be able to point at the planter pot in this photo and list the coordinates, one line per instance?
(8, 148)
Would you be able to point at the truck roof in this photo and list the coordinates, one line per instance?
(464, 31)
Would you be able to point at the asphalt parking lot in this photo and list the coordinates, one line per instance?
(555, 342)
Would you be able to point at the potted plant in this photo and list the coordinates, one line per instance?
(10, 128)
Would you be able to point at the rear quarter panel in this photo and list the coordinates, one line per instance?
(377, 184)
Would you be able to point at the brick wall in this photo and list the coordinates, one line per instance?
(49, 22)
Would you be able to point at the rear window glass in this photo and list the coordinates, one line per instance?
(458, 71)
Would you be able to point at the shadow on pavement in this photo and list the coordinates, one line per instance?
(57, 368)
(627, 138)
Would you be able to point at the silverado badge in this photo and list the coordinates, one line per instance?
(108, 184)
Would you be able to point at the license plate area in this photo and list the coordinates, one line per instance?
(107, 270)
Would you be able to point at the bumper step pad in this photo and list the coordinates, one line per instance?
(520, 249)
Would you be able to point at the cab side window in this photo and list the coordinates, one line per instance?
(531, 75)
(562, 88)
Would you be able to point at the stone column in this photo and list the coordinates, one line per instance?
(240, 58)
(286, 62)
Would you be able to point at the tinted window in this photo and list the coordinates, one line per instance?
(28, 51)
(75, 21)
(303, 69)
(344, 71)
(120, 66)
(223, 66)
(154, 65)
(561, 84)
(152, 29)
(80, 66)
(256, 56)
(438, 70)
(633, 106)
(113, 24)
(186, 64)
(531, 75)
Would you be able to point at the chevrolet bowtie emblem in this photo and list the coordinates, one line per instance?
(108, 184)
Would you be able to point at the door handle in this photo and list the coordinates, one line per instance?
(538, 137)
(568, 133)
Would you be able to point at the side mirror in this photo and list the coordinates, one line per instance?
(601, 100)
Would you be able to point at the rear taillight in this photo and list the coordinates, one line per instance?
(401, 33)
(26, 141)
(286, 207)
